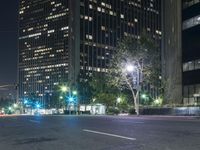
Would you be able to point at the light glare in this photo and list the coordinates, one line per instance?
(129, 68)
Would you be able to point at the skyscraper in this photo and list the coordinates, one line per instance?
(181, 55)
(43, 46)
(191, 51)
(64, 41)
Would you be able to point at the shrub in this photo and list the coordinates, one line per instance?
(113, 111)
(131, 111)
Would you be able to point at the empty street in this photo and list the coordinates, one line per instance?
(99, 133)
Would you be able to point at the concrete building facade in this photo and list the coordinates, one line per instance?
(191, 51)
(172, 51)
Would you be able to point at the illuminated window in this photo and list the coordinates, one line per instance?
(136, 20)
(99, 9)
(191, 22)
(90, 6)
(111, 13)
(64, 28)
(103, 28)
(89, 37)
(51, 31)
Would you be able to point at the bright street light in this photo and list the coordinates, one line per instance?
(71, 99)
(130, 68)
(38, 105)
(74, 92)
(144, 96)
(61, 97)
(25, 102)
(64, 89)
(119, 100)
(10, 108)
(15, 105)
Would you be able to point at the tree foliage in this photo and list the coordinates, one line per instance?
(144, 56)
(102, 91)
(141, 53)
(108, 99)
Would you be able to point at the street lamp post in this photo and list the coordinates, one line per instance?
(71, 98)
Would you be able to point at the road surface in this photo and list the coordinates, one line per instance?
(99, 133)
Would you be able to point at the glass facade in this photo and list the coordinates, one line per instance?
(189, 3)
(191, 53)
(192, 22)
(45, 38)
(192, 94)
(191, 65)
(43, 47)
(104, 22)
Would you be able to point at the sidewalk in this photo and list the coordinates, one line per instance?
(161, 117)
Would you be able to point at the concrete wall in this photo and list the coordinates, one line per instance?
(74, 41)
(177, 111)
(172, 51)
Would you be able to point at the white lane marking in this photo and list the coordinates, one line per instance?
(108, 134)
(34, 121)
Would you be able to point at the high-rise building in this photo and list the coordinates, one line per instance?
(43, 47)
(180, 51)
(64, 41)
(191, 51)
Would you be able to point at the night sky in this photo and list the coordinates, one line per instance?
(8, 41)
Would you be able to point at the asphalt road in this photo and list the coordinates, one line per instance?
(99, 133)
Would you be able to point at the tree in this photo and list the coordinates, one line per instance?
(84, 91)
(108, 99)
(101, 90)
(122, 103)
(135, 63)
(58, 99)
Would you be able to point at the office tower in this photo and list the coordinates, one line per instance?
(62, 41)
(191, 51)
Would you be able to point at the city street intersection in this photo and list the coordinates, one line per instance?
(99, 133)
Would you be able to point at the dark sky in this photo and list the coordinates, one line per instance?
(8, 41)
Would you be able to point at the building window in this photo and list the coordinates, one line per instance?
(191, 65)
(191, 22)
(189, 3)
